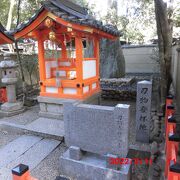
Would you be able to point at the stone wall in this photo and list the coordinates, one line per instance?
(141, 59)
(119, 88)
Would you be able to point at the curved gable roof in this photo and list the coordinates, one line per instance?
(69, 12)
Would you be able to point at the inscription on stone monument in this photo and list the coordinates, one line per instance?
(143, 111)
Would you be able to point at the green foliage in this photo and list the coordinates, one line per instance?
(177, 17)
(139, 19)
(30, 65)
(4, 6)
(82, 3)
(137, 23)
(28, 8)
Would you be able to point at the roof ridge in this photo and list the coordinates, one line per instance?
(70, 8)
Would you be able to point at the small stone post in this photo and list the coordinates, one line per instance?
(143, 111)
(12, 106)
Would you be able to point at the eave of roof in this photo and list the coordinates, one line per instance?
(4, 37)
(69, 12)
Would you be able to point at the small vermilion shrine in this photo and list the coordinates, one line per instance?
(66, 29)
(68, 49)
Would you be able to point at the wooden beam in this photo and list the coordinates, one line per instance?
(32, 26)
(96, 54)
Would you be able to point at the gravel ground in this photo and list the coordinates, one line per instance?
(48, 169)
(27, 117)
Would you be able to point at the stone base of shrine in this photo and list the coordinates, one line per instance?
(11, 109)
(52, 107)
(90, 167)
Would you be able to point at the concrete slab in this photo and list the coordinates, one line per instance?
(90, 167)
(47, 126)
(5, 174)
(16, 148)
(35, 154)
(32, 157)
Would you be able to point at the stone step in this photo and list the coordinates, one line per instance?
(44, 127)
(16, 148)
(31, 157)
(47, 126)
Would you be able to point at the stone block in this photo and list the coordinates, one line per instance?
(143, 111)
(43, 107)
(97, 129)
(92, 167)
(75, 153)
(52, 107)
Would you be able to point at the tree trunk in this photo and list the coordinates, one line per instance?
(9, 21)
(165, 48)
(16, 44)
(10, 15)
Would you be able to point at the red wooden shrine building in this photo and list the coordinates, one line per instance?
(68, 48)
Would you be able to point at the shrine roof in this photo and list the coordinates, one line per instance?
(69, 12)
(5, 38)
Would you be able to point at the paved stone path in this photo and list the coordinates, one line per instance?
(44, 127)
(29, 150)
(47, 126)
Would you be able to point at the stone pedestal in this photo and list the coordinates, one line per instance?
(11, 109)
(12, 106)
(54, 107)
(92, 166)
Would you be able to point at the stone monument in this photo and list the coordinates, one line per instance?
(143, 111)
(94, 135)
(9, 78)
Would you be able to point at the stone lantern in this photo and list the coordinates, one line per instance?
(9, 78)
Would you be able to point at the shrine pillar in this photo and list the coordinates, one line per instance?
(42, 69)
(79, 65)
